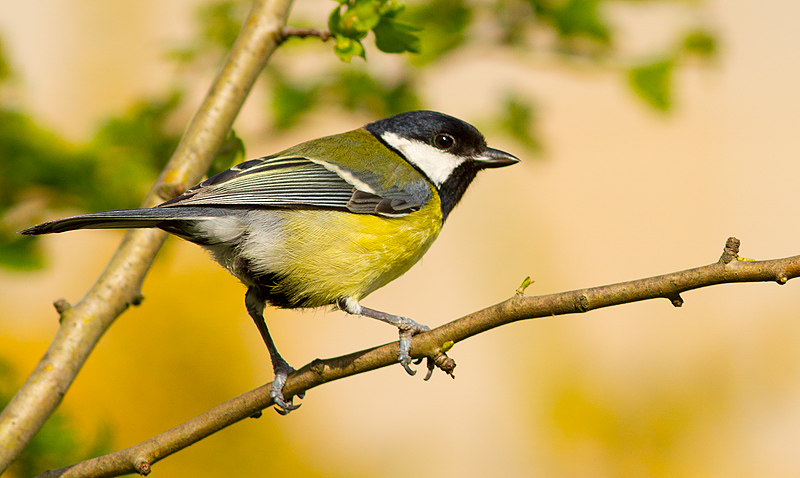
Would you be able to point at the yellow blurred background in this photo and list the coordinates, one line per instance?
(710, 389)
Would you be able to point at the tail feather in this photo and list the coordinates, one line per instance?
(123, 219)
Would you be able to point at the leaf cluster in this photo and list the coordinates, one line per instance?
(352, 20)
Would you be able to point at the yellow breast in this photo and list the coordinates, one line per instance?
(326, 255)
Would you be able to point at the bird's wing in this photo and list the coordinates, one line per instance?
(294, 181)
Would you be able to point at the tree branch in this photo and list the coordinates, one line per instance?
(82, 325)
(728, 269)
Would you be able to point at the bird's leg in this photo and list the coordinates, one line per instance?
(255, 307)
(407, 328)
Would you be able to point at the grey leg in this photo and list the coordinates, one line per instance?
(255, 307)
(405, 326)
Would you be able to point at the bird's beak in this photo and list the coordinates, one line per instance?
(494, 158)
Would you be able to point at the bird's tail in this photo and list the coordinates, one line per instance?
(124, 219)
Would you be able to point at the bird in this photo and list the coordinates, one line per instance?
(325, 222)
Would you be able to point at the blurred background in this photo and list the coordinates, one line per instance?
(650, 131)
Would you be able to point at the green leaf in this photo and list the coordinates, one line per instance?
(700, 43)
(335, 20)
(652, 82)
(346, 48)
(392, 36)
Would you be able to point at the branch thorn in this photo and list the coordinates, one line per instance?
(582, 305)
(62, 307)
(676, 299)
(731, 250)
(137, 299)
(142, 467)
(445, 363)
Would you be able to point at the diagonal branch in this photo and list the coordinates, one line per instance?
(728, 269)
(82, 325)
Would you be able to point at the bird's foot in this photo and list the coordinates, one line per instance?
(408, 328)
(282, 371)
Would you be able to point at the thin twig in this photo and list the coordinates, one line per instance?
(119, 285)
(288, 32)
(139, 458)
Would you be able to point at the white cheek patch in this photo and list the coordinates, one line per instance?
(438, 165)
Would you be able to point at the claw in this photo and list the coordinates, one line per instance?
(408, 368)
(408, 328)
(282, 371)
(281, 405)
(429, 364)
(403, 355)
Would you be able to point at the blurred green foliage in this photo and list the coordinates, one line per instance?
(651, 81)
(352, 89)
(700, 42)
(443, 26)
(115, 170)
(517, 119)
(574, 19)
(4, 68)
(118, 166)
(231, 152)
(219, 22)
(57, 443)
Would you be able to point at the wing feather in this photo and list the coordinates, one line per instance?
(292, 181)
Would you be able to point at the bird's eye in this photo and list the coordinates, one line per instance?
(444, 141)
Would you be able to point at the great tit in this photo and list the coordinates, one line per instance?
(325, 222)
